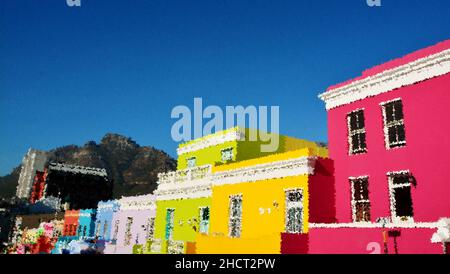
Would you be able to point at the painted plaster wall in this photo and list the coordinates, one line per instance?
(70, 218)
(260, 232)
(186, 210)
(426, 154)
(369, 240)
(105, 213)
(87, 219)
(138, 227)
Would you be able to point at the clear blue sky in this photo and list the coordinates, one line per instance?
(69, 75)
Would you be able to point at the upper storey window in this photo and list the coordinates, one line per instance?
(227, 154)
(394, 126)
(356, 132)
(191, 162)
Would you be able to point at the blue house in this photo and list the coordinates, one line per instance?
(105, 213)
(86, 223)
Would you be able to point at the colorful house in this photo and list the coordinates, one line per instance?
(103, 223)
(86, 223)
(71, 218)
(259, 205)
(387, 136)
(184, 196)
(132, 224)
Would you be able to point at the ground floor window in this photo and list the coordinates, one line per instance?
(360, 199)
(400, 195)
(128, 234)
(170, 220)
(235, 216)
(294, 211)
(204, 220)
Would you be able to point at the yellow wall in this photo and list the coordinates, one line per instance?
(260, 232)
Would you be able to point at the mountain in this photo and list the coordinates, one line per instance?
(133, 168)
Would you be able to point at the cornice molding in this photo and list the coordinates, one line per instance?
(420, 70)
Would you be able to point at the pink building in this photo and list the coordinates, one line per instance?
(388, 137)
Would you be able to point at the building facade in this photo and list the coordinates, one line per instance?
(387, 132)
(184, 196)
(132, 224)
(255, 202)
(33, 161)
(104, 220)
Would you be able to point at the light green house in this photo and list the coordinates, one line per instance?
(183, 197)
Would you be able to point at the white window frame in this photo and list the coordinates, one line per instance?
(392, 187)
(290, 205)
(387, 125)
(128, 233)
(150, 228)
(116, 230)
(200, 219)
(231, 149)
(188, 160)
(172, 222)
(353, 202)
(351, 132)
(230, 217)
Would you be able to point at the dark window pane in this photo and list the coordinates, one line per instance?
(400, 179)
(294, 196)
(362, 140)
(398, 110)
(360, 115)
(353, 124)
(392, 133)
(362, 212)
(401, 132)
(403, 202)
(389, 111)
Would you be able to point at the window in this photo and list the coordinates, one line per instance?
(191, 162)
(116, 230)
(170, 220)
(150, 228)
(294, 211)
(227, 154)
(97, 228)
(356, 132)
(204, 220)
(84, 231)
(394, 127)
(128, 234)
(360, 199)
(401, 200)
(105, 229)
(235, 216)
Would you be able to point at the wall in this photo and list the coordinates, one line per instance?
(187, 209)
(426, 154)
(370, 240)
(263, 229)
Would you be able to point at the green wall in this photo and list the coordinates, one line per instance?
(185, 210)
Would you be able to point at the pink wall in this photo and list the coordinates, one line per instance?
(426, 155)
(370, 241)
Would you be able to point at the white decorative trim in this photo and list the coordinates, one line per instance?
(236, 134)
(279, 169)
(78, 169)
(422, 69)
(143, 202)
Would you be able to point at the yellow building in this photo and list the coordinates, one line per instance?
(255, 201)
(183, 197)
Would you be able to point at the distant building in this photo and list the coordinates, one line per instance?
(33, 161)
(80, 187)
